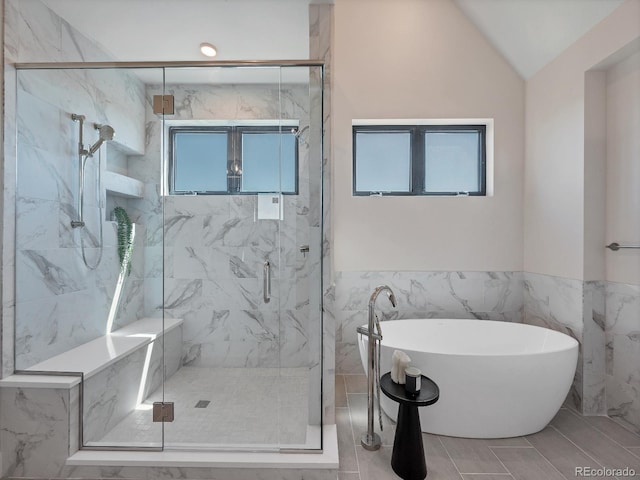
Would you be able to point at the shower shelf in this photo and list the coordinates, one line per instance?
(123, 186)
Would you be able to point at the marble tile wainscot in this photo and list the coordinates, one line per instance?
(622, 345)
(481, 295)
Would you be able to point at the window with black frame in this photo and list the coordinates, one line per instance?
(224, 160)
(419, 160)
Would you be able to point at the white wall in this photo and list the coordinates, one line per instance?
(595, 159)
(554, 208)
(424, 59)
(623, 169)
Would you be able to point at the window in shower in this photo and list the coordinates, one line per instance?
(419, 159)
(233, 159)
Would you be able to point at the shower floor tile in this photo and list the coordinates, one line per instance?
(247, 406)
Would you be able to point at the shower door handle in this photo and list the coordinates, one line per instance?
(266, 288)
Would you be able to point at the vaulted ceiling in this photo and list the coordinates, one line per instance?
(531, 33)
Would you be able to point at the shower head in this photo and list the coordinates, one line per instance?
(106, 134)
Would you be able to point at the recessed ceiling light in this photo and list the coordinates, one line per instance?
(208, 50)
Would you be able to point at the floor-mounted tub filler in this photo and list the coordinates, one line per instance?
(496, 379)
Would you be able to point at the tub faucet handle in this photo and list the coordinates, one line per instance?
(365, 331)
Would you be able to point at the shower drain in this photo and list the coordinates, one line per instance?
(203, 403)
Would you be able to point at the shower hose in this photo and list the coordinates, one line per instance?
(99, 182)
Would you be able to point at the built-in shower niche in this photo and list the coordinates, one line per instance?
(118, 184)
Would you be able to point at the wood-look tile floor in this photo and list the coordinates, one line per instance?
(570, 441)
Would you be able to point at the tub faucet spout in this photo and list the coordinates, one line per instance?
(370, 440)
(372, 305)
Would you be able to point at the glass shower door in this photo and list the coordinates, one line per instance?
(222, 256)
(237, 238)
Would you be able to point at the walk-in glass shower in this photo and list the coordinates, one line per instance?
(169, 249)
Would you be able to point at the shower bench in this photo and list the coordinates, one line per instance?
(98, 354)
(117, 372)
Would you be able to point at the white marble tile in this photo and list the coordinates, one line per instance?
(9, 192)
(594, 396)
(236, 338)
(111, 394)
(11, 31)
(153, 296)
(55, 177)
(622, 352)
(52, 325)
(503, 291)
(593, 349)
(347, 322)
(626, 358)
(153, 262)
(623, 402)
(183, 230)
(39, 31)
(75, 47)
(8, 344)
(35, 425)
(192, 205)
(46, 273)
(554, 302)
(348, 358)
(295, 339)
(207, 263)
(104, 96)
(33, 113)
(37, 223)
(74, 419)
(622, 308)
(131, 306)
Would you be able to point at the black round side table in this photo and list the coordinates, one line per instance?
(407, 459)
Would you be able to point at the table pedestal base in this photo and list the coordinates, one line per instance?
(407, 459)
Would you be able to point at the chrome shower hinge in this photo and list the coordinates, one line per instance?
(163, 104)
(163, 411)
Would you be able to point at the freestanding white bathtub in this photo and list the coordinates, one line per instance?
(496, 379)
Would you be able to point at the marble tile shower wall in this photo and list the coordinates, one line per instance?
(215, 246)
(52, 284)
(482, 295)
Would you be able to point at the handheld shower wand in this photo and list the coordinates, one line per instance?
(106, 133)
